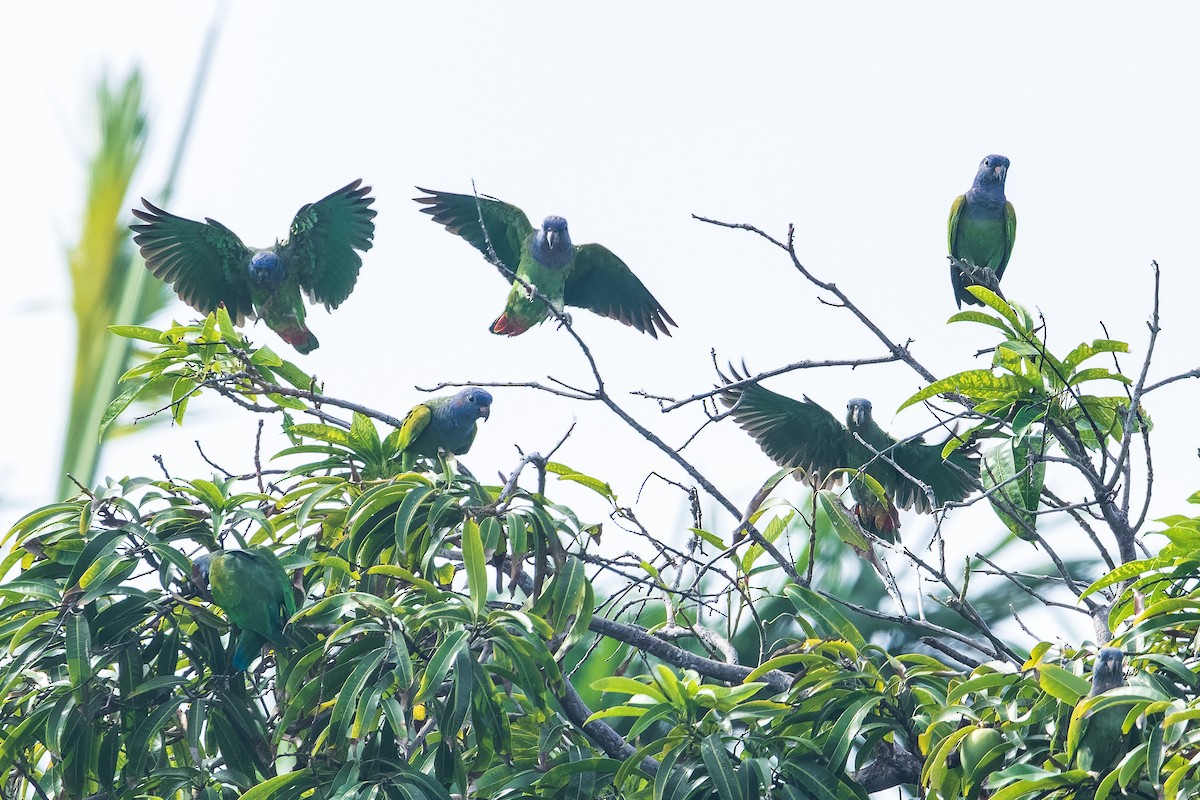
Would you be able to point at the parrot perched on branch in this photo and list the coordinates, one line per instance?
(253, 589)
(207, 264)
(442, 424)
(587, 276)
(803, 434)
(1102, 739)
(983, 226)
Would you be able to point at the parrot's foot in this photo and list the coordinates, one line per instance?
(979, 276)
(563, 319)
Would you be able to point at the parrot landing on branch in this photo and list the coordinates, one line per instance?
(207, 264)
(587, 276)
(802, 434)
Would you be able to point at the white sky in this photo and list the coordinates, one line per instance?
(858, 123)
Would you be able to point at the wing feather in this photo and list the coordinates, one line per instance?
(602, 283)
(792, 433)
(204, 263)
(323, 243)
(507, 226)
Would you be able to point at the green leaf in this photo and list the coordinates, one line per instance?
(439, 664)
(138, 332)
(840, 518)
(720, 771)
(978, 384)
(476, 566)
(1013, 476)
(1062, 684)
(289, 785)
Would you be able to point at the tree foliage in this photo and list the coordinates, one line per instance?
(460, 638)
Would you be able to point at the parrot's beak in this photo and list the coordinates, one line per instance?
(485, 411)
(1000, 171)
(552, 238)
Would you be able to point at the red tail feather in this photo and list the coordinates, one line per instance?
(300, 338)
(508, 327)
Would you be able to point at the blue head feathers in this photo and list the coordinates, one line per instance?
(266, 270)
(471, 404)
(552, 245)
(992, 172)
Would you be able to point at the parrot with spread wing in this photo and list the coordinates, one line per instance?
(983, 226)
(1102, 739)
(207, 264)
(253, 589)
(803, 434)
(587, 276)
(442, 424)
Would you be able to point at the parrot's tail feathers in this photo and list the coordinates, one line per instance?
(300, 338)
(506, 326)
(249, 646)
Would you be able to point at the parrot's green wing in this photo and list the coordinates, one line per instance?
(205, 263)
(323, 241)
(791, 432)
(1010, 234)
(950, 480)
(602, 283)
(507, 226)
(955, 212)
(415, 421)
(253, 589)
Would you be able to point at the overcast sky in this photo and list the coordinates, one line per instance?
(859, 123)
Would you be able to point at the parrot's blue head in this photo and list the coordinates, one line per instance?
(552, 246)
(471, 404)
(992, 172)
(858, 413)
(266, 270)
(1108, 670)
(200, 568)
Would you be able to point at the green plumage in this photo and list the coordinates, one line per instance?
(207, 264)
(253, 589)
(586, 276)
(803, 434)
(982, 226)
(1103, 740)
(442, 424)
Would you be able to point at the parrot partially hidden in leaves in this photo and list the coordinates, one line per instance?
(253, 589)
(803, 434)
(587, 276)
(207, 264)
(983, 226)
(1102, 740)
(442, 424)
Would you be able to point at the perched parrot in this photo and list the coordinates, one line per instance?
(255, 593)
(442, 423)
(588, 276)
(983, 226)
(805, 435)
(207, 264)
(1102, 739)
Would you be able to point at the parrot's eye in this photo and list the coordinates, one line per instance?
(471, 399)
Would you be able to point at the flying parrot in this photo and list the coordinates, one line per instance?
(207, 264)
(983, 226)
(803, 434)
(255, 593)
(442, 423)
(587, 276)
(1102, 739)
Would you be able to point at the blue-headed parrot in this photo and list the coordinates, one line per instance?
(587, 276)
(207, 264)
